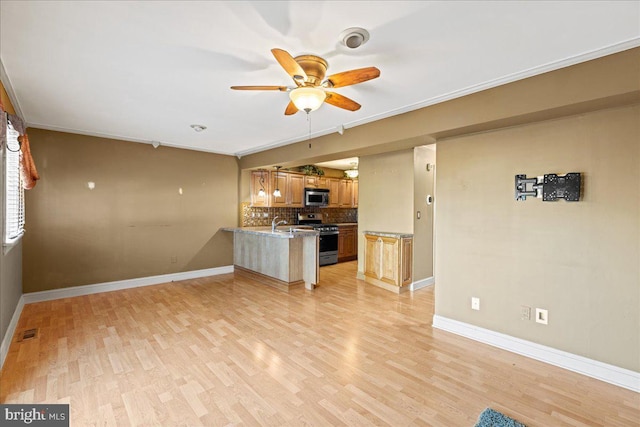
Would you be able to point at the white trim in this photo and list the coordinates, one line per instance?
(423, 283)
(122, 284)
(8, 336)
(592, 368)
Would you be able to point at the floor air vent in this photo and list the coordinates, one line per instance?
(28, 334)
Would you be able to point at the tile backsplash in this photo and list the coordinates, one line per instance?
(257, 216)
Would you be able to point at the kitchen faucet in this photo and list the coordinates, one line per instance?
(274, 224)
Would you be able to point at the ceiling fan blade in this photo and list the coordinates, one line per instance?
(291, 109)
(341, 101)
(352, 77)
(280, 88)
(290, 65)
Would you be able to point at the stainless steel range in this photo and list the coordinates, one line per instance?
(328, 252)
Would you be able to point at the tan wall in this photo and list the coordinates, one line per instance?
(11, 261)
(423, 183)
(134, 223)
(385, 195)
(578, 260)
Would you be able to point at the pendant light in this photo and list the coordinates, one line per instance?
(353, 172)
(261, 192)
(276, 192)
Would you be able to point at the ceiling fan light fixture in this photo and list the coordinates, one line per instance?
(307, 98)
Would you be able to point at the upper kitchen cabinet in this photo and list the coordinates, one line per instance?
(334, 192)
(355, 193)
(296, 191)
(260, 181)
(346, 193)
(291, 186)
(313, 181)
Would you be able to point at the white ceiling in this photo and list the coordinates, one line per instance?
(146, 70)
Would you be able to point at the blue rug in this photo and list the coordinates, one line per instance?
(491, 418)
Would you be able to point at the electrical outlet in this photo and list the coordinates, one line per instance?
(542, 316)
(525, 312)
(475, 303)
(174, 259)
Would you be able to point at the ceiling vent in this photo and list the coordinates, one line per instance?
(354, 37)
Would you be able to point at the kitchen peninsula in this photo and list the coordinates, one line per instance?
(280, 257)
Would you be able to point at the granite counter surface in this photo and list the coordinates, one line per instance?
(388, 234)
(287, 232)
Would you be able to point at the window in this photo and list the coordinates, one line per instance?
(14, 193)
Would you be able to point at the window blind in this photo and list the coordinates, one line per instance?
(14, 193)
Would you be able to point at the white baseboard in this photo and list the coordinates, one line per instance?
(572, 362)
(8, 336)
(423, 283)
(75, 291)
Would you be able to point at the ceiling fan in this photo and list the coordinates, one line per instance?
(308, 73)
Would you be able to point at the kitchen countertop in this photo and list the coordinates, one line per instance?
(282, 231)
(388, 234)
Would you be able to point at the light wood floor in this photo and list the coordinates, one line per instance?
(229, 351)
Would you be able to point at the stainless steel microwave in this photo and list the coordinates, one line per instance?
(316, 197)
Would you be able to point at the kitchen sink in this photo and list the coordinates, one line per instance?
(291, 230)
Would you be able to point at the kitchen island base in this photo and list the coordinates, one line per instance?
(267, 280)
(283, 259)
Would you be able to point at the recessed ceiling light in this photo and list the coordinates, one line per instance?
(354, 37)
(198, 128)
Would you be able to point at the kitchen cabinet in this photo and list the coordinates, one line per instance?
(260, 180)
(345, 193)
(296, 191)
(334, 192)
(388, 260)
(355, 193)
(312, 181)
(291, 188)
(347, 242)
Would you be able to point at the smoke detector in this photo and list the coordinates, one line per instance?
(354, 37)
